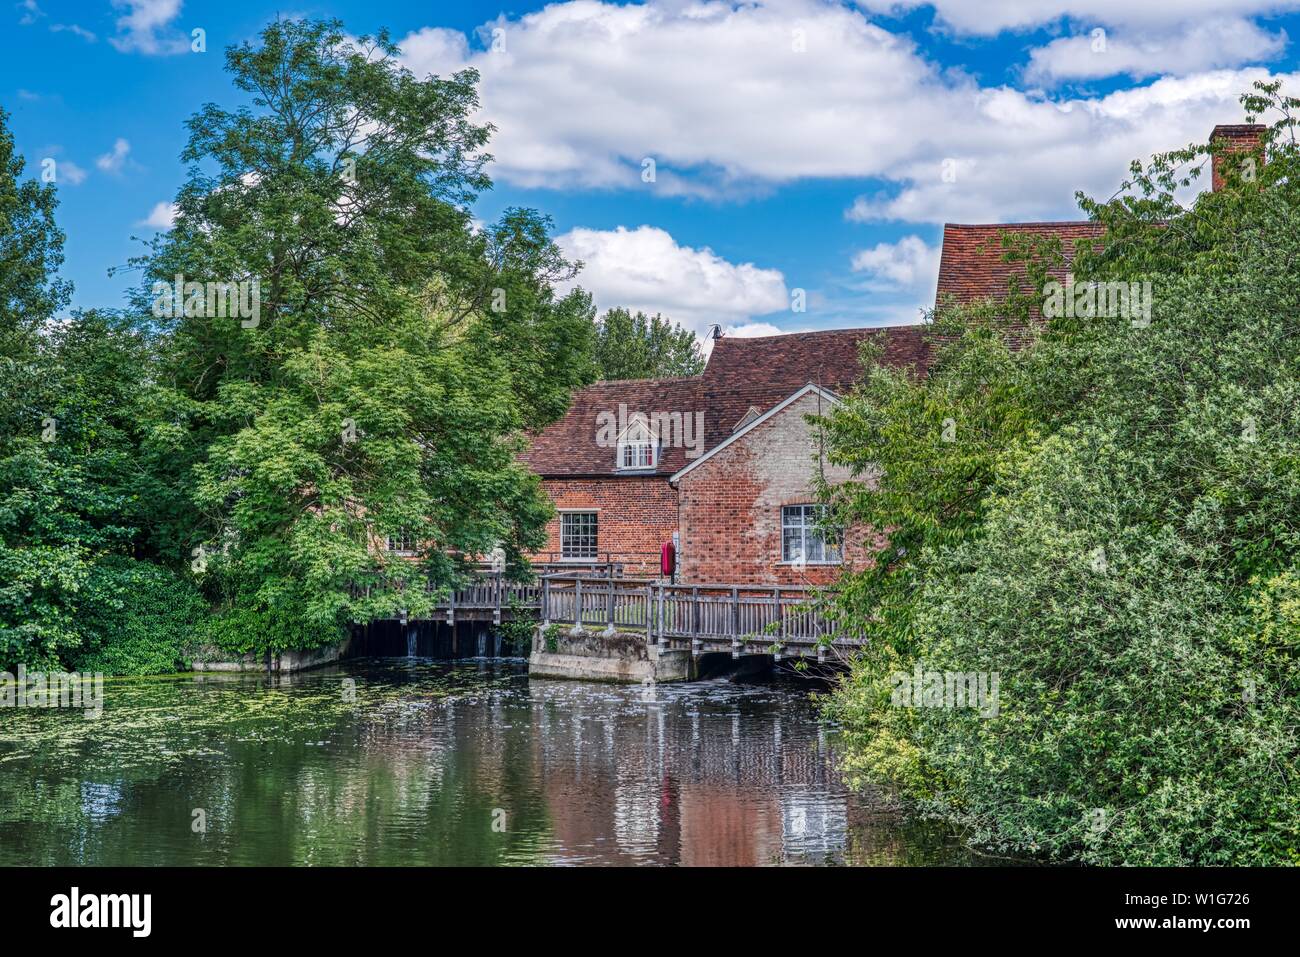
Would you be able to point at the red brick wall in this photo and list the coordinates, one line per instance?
(729, 509)
(635, 516)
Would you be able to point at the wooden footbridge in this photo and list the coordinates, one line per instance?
(784, 621)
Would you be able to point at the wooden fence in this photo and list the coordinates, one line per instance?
(753, 618)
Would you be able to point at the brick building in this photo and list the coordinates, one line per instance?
(723, 463)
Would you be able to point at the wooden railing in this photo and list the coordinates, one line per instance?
(487, 590)
(756, 617)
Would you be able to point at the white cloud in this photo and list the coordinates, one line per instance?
(989, 17)
(1040, 152)
(145, 27)
(645, 268)
(69, 172)
(75, 30)
(112, 162)
(582, 92)
(910, 265)
(31, 12)
(1204, 45)
(162, 216)
(753, 330)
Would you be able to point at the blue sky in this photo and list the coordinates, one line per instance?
(797, 144)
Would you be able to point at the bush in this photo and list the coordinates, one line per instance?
(136, 618)
(1129, 567)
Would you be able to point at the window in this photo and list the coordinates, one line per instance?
(636, 455)
(577, 534)
(401, 542)
(803, 540)
(638, 445)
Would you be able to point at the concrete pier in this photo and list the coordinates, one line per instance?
(589, 655)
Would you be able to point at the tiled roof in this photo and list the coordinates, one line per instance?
(762, 371)
(971, 266)
(741, 372)
(570, 446)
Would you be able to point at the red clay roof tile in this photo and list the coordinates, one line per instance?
(741, 372)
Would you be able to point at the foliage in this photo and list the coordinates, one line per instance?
(554, 631)
(1112, 532)
(637, 346)
(31, 251)
(69, 414)
(70, 483)
(137, 618)
(398, 354)
(517, 630)
(391, 354)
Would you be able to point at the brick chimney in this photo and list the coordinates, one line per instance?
(1236, 138)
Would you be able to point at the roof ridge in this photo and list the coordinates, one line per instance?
(1040, 222)
(677, 378)
(820, 332)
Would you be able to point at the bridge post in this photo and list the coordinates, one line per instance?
(546, 602)
(780, 624)
(451, 606)
(735, 622)
(696, 644)
(577, 603)
(498, 587)
(649, 614)
(659, 616)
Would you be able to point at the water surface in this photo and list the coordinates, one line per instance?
(415, 761)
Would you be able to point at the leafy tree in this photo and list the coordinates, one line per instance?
(55, 515)
(1111, 530)
(73, 488)
(637, 346)
(136, 618)
(31, 252)
(397, 353)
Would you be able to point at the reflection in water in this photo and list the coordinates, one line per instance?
(438, 763)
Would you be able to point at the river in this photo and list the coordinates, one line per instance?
(423, 762)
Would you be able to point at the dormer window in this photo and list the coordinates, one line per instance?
(747, 418)
(638, 446)
(636, 455)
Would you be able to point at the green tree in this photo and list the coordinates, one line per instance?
(397, 352)
(1110, 528)
(637, 346)
(74, 488)
(31, 252)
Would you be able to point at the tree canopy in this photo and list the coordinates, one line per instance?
(1109, 526)
(636, 346)
(325, 352)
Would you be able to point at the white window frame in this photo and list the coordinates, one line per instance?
(567, 515)
(635, 445)
(806, 517)
(642, 456)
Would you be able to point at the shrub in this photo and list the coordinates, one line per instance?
(1127, 563)
(136, 618)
